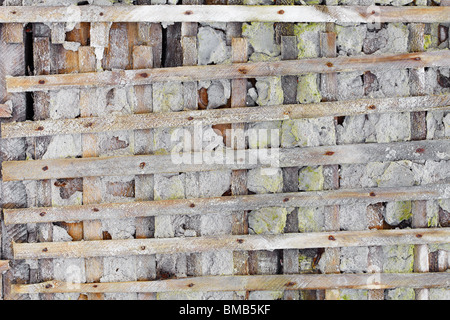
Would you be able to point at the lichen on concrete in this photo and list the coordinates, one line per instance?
(167, 96)
(310, 178)
(397, 211)
(308, 39)
(259, 181)
(400, 294)
(271, 220)
(353, 294)
(398, 258)
(269, 91)
(311, 219)
(264, 134)
(308, 89)
(308, 132)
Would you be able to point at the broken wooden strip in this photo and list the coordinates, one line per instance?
(251, 283)
(221, 116)
(438, 58)
(136, 247)
(222, 13)
(6, 109)
(223, 204)
(239, 218)
(224, 159)
(4, 266)
(329, 91)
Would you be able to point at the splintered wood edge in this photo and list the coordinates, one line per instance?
(222, 13)
(221, 116)
(440, 58)
(136, 247)
(225, 159)
(249, 283)
(220, 204)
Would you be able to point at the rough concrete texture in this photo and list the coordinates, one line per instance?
(212, 47)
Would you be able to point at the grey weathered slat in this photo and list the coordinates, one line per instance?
(220, 116)
(251, 283)
(133, 247)
(223, 204)
(221, 13)
(438, 58)
(171, 163)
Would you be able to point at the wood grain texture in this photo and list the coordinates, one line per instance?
(172, 163)
(199, 206)
(221, 13)
(221, 116)
(437, 58)
(239, 177)
(251, 283)
(138, 247)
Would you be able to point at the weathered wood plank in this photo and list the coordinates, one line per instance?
(133, 247)
(221, 116)
(221, 160)
(223, 204)
(221, 13)
(92, 229)
(329, 88)
(239, 177)
(251, 283)
(419, 132)
(438, 58)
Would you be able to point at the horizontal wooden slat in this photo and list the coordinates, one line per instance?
(251, 283)
(232, 71)
(5, 110)
(4, 265)
(220, 116)
(223, 204)
(108, 248)
(220, 13)
(230, 159)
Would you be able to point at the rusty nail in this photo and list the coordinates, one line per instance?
(331, 238)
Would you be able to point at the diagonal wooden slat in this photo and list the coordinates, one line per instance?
(438, 58)
(136, 247)
(223, 204)
(222, 13)
(228, 159)
(251, 283)
(221, 116)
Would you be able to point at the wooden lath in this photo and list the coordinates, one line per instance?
(227, 159)
(223, 204)
(440, 58)
(222, 13)
(250, 283)
(221, 116)
(136, 247)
